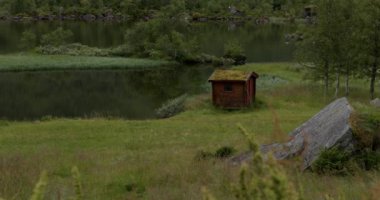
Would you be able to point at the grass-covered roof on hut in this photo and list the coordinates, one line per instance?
(231, 75)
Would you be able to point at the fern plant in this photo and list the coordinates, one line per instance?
(260, 179)
(77, 183)
(39, 189)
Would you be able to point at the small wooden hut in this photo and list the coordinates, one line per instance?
(233, 89)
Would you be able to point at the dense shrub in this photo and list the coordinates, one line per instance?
(162, 39)
(365, 128)
(175, 46)
(47, 118)
(368, 160)
(215, 61)
(74, 49)
(172, 107)
(224, 152)
(332, 161)
(121, 51)
(28, 40)
(57, 37)
(221, 153)
(233, 50)
(337, 162)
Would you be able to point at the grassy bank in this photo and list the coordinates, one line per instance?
(52, 62)
(155, 159)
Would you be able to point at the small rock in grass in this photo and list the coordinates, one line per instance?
(376, 103)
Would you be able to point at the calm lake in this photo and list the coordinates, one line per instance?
(129, 94)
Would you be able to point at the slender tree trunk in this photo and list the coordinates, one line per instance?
(374, 65)
(373, 80)
(337, 86)
(326, 78)
(347, 86)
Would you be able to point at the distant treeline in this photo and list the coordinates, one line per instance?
(142, 9)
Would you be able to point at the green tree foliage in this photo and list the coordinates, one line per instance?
(5, 8)
(316, 47)
(176, 9)
(369, 47)
(293, 8)
(262, 7)
(327, 46)
(56, 38)
(345, 40)
(136, 9)
(161, 38)
(28, 40)
(234, 50)
(175, 46)
(22, 6)
(130, 7)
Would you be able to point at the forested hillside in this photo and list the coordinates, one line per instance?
(135, 9)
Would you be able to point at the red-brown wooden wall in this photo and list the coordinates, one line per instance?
(242, 94)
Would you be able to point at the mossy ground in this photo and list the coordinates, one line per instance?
(154, 159)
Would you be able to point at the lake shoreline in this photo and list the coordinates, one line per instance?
(260, 43)
(35, 62)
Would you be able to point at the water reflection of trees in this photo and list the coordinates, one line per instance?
(261, 43)
(129, 94)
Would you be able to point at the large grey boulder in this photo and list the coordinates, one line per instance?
(329, 128)
(376, 103)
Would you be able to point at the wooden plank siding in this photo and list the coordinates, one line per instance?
(237, 90)
(229, 99)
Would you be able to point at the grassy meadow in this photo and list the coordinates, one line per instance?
(155, 159)
(34, 62)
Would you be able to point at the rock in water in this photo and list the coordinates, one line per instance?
(329, 128)
(376, 102)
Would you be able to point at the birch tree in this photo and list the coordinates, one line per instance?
(328, 46)
(370, 41)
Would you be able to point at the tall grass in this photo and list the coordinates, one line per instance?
(59, 62)
(154, 159)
